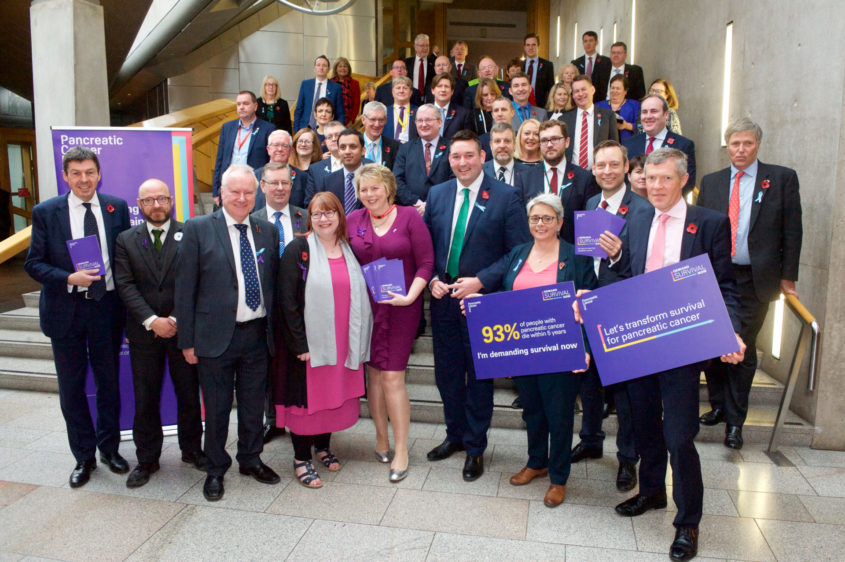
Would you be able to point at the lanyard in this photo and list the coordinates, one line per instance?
(248, 132)
(402, 124)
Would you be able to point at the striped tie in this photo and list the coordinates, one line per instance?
(349, 197)
(583, 159)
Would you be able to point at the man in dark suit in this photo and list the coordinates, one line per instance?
(242, 141)
(665, 405)
(454, 117)
(502, 166)
(441, 65)
(350, 145)
(421, 66)
(610, 164)
(423, 162)
(764, 209)
(289, 220)
(540, 72)
(79, 309)
(587, 123)
(401, 122)
(593, 64)
(384, 93)
(378, 147)
(654, 114)
(312, 90)
(279, 145)
(145, 264)
(461, 67)
(224, 302)
(490, 222)
(634, 73)
(487, 68)
(558, 176)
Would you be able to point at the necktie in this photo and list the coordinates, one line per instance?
(658, 245)
(97, 289)
(157, 238)
(589, 71)
(583, 159)
(427, 157)
(252, 292)
(733, 211)
(531, 71)
(281, 228)
(349, 197)
(460, 69)
(442, 120)
(604, 205)
(650, 148)
(421, 79)
(524, 111)
(371, 152)
(553, 183)
(399, 125)
(501, 177)
(458, 238)
(312, 121)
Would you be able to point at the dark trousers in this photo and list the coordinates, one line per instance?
(729, 385)
(148, 359)
(94, 338)
(242, 368)
(593, 396)
(467, 402)
(626, 447)
(302, 444)
(665, 414)
(548, 409)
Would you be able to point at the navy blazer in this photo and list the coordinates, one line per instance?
(490, 169)
(206, 297)
(429, 71)
(545, 79)
(302, 112)
(256, 157)
(636, 145)
(457, 93)
(334, 182)
(384, 94)
(775, 233)
(469, 96)
(468, 71)
(389, 126)
(49, 263)
(389, 150)
(576, 186)
(458, 118)
(604, 127)
(497, 224)
(412, 183)
(302, 181)
(601, 67)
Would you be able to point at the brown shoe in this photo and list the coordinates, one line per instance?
(526, 475)
(554, 495)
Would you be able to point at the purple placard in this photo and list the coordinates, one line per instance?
(525, 332)
(85, 253)
(389, 276)
(589, 225)
(667, 318)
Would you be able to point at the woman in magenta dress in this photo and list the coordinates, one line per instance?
(326, 322)
(383, 230)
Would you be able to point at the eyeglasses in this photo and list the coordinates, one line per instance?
(303, 142)
(551, 140)
(148, 201)
(545, 219)
(277, 145)
(426, 120)
(317, 215)
(280, 183)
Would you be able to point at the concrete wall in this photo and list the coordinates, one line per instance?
(285, 46)
(776, 48)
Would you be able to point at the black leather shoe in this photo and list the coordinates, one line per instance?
(444, 450)
(213, 488)
(115, 462)
(685, 545)
(713, 417)
(271, 431)
(260, 472)
(473, 468)
(82, 472)
(198, 459)
(516, 404)
(639, 504)
(581, 452)
(141, 474)
(626, 478)
(733, 436)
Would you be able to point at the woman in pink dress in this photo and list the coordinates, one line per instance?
(326, 323)
(383, 230)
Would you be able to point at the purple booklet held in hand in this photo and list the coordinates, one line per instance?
(589, 225)
(85, 254)
(383, 275)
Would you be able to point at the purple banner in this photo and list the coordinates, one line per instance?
(526, 332)
(129, 156)
(667, 318)
(589, 225)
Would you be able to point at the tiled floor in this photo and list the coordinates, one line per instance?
(753, 509)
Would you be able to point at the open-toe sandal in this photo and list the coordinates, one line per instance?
(330, 461)
(309, 478)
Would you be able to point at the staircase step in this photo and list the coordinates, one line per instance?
(30, 300)
(25, 343)
(27, 373)
(20, 319)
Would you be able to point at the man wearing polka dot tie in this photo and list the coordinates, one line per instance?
(224, 302)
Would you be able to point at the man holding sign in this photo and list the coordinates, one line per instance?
(665, 404)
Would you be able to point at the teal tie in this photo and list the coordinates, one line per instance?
(458, 237)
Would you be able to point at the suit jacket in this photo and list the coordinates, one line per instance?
(206, 297)
(636, 145)
(545, 79)
(490, 169)
(468, 71)
(390, 126)
(601, 68)
(49, 263)
(412, 183)
(775, 233)
(604, 127)
(457, 118)
(634, 74)
(299, 220)
(496, 225)
(256, 156)
(537, 113)
(429, 71)
(334, 182)
(146, 285)
(302, 112)
(469, 96)
(301, 183)
(457, 99)
(578, 269)
(576, 186)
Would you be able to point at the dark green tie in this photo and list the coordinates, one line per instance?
(458, 237)
(157, 238)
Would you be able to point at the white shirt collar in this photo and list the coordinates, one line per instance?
(589, 110)
(75, 201)
(750, 171)
(474, 187)
(231, 221)
(271, 212)
(164, 228)
(615, 200)
(348, 171)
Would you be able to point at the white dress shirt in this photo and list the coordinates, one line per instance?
(613, 204)
(77, 230)
(285, 219)
(659, 140)
(417, 71)
(508, 170)
(561, 170)
(474, 188)
(244, 313)
(576, 153)
(674, 232)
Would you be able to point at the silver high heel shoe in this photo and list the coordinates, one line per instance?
(398, 475)
(383, 457)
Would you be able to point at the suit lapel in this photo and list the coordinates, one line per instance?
(724, 190)
(146, 250)
(638, 236)
(596, 123)
(260, 244)
(219, 222)
(690, 232)
(63, 217)
(477, 211)
(170, 247)
(108, 222)
(762, 175)
(435, 161)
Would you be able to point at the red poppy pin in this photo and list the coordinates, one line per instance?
(765, 184)
(441, 147)
(670, 141)
(570, 174)
(485, 195)
(623, 210)
(293, 174)
(258, 228)
(304, 256)
(626, 73)
(692, 228)
(109, 208)
(452, 113)
(387, 149)
(560, 266)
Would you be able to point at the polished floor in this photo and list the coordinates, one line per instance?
(754, 510)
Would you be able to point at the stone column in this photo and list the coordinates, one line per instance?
(68, 74)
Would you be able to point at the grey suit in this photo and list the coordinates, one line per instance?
(537, 113)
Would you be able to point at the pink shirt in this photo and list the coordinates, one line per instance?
(674, 232)
(526, 279)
